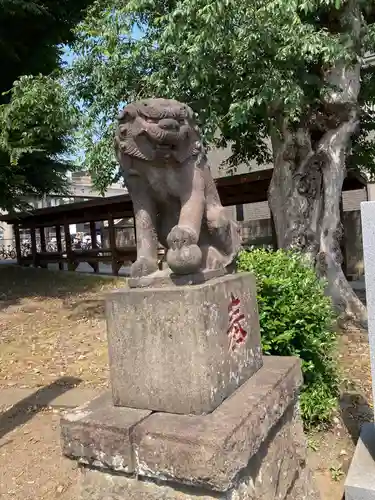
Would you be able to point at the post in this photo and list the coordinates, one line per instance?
(17, 238)
(112, 244)
(33, 246)
(42, 239)
(68, 245)
(239, 213)
(360, 482)
(59, 245)
(342, 242)
(43, 247)
(370, 191)
(368, 238)
(94, 243)
(135, 230)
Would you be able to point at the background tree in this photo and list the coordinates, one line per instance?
(36, 115)
(285, 69)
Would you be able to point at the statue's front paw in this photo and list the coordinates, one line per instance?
(182, 236)
(143, 267)
(185, 260)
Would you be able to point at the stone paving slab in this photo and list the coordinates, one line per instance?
(67, 398)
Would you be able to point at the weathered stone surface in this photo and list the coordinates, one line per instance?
(304, 487)
(97, 485)
(174, 349)
(277, 464)
(175, 199)
(360, 482)
(167, 278)
(211, 450)
(276, 472)
(97, 433)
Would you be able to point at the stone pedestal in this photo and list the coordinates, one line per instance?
(251, 447)
(183, 349)
(195, 411)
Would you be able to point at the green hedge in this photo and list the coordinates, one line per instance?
(296, 319)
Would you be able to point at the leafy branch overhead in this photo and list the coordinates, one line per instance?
(36, 127)
(37, 120)
(238, 64)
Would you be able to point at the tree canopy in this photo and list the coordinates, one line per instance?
(240, 65)
(37, 118)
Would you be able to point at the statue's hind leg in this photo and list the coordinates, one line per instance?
(224, 233)
(212, 258)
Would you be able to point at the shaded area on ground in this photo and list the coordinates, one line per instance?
(17, 283)
(355, 411)
(25, 409)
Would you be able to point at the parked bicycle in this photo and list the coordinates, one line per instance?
(7, 253)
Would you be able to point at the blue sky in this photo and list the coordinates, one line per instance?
(68, 55)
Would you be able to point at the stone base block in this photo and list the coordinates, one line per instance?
(360, 482)
(183, 349)
(98, 485)
(251, 447)
(98, 434)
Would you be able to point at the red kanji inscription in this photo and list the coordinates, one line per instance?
(236, 332)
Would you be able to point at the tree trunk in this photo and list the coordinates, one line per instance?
(309, 170)
(304, 197)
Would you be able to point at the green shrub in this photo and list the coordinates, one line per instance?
(296, 319)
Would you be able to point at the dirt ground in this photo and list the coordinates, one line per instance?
(52, 331)
(31, 465)
(51, 326)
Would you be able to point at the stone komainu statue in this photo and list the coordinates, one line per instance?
(174, 195)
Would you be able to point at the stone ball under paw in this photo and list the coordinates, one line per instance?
(186, 260)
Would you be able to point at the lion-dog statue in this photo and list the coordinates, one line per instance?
(174, 196)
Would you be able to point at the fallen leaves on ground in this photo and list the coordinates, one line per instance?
(52, 326)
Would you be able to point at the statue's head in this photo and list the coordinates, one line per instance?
(157, 129)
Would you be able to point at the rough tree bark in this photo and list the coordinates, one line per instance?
(309, 170)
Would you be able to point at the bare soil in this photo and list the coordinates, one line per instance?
(52, 331)
(31, 464)
(331, 451)
(52, 326)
